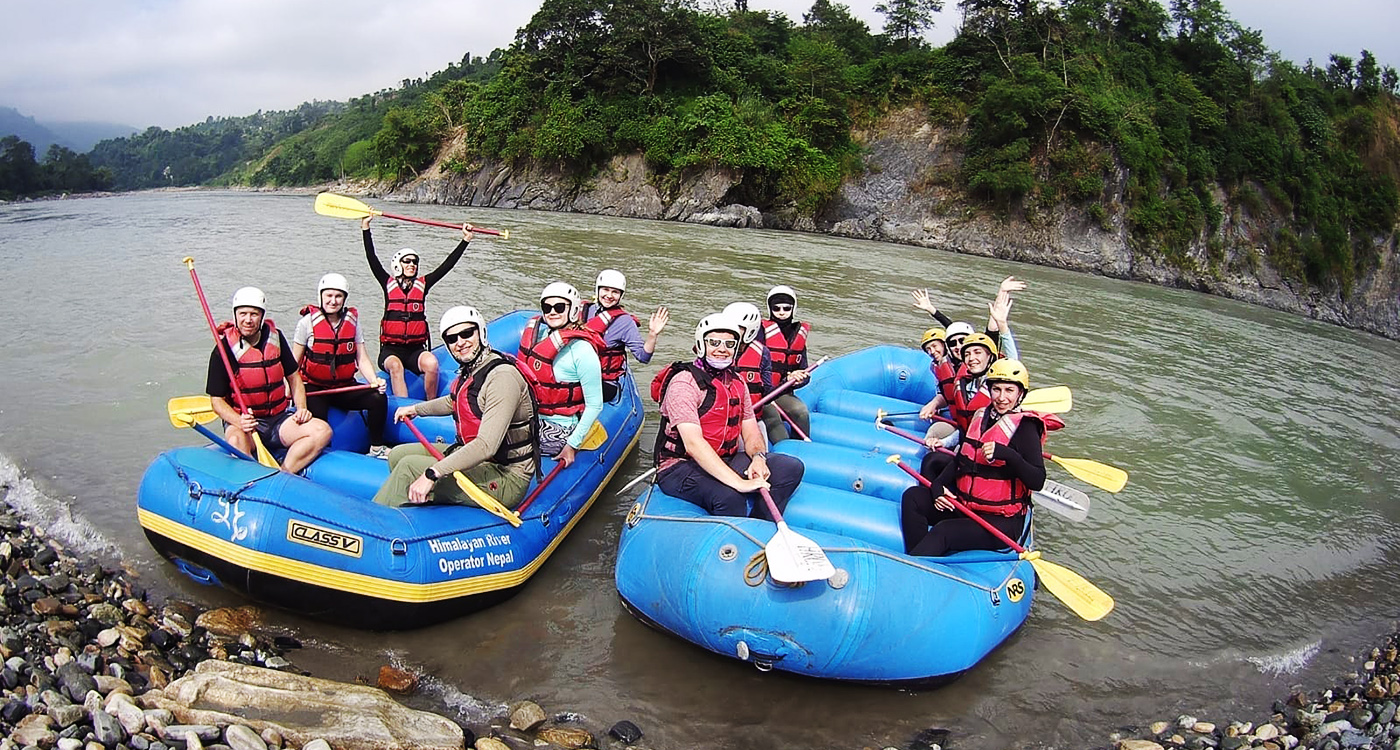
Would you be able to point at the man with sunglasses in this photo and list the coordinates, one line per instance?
(403, 331)
(496, 435)
(709, 449)
(786, 339)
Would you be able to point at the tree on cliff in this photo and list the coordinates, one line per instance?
(906, 20)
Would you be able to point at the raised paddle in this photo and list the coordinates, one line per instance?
(1083, 598)
(636, 480)
(1059, 499)
(793, 558)
(345, 207)
(264, 455)
(183, 414)
(478, 495)
(596, 436)
(1101, 475)
(782, 387)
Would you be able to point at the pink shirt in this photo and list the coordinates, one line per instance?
(680, 404)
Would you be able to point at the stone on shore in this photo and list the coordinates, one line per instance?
(230, 622)
(526, 716)
(302, 709)
(568, 737)
(395, 680)
(1138, 745)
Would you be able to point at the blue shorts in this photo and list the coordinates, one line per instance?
(270, 429)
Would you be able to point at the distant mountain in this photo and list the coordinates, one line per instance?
(79, 136)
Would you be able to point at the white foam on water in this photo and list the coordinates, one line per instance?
(52, 516)
(1286, 662)
(469, 708)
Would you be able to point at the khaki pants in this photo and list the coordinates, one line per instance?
(408, 462)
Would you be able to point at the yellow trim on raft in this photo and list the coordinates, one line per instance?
(358, 583)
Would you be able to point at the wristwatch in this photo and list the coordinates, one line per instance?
(432, 474)
(761, 454)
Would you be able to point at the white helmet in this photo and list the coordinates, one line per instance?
(747, 316)
(396, 265)
(333, 281)
(783, 290)
(960, 329)
(720, 321)
(250, 296)
(566, 291)
(611, 278)
(460, 314)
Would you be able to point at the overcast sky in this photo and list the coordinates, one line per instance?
(174, 62)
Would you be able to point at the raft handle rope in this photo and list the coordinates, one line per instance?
(759, 558)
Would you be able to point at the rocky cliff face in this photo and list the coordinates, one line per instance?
(908, 194)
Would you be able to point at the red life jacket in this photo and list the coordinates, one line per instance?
(991, 486)
(330, 353)
(466, 398)
(613, 357)
(405, 321)
(787, 355)
(943, 371)
(721, 411)
(963, 407)
(259, 373)
(537, 363)
(749, 366)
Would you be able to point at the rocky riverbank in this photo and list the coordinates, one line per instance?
(92, 663)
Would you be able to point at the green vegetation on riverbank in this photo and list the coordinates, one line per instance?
(1051, 105)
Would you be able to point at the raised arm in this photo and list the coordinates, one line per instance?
(375, 267)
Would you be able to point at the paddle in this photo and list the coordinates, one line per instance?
(1101, 475)
(791, 423)
(1055, 399)
(1059, 499)
(635, 481)
(264, 456)
(782, 387)
(1083, 598)
(597, 434)
(478, 495)
(182, 415)
(345, 207)
(341, 389)
(793, 558)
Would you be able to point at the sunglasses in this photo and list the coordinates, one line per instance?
(409, 261)
(557, 307)
(452, 338)
(782, 308)
(955, 343)
(730, 344)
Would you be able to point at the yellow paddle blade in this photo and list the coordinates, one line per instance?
(597, 435)
(342, 207)
(1100, 475)
(1084, 598)
(187, 411)
(1056, 399)
(264, 455)
(487, 503)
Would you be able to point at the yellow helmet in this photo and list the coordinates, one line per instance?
(981, 339)
(933, 334)
(1009, 371)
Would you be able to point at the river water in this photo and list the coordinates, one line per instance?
(1255, 546)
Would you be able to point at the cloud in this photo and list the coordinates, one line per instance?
(175, 62)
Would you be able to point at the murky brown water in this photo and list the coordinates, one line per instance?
(1254, 547)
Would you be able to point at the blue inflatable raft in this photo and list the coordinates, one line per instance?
(884, 617)
(318, 545)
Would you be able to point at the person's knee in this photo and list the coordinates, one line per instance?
(392, 365)
(427, 363)
(729, 505)
(321, 432)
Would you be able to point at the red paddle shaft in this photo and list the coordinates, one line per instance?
(432, 223)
